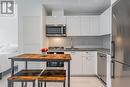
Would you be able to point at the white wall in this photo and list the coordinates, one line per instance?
(30, 25)
(9, 28)
(106, 41)
(45, 39)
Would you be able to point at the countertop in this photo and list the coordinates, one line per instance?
(25, 57)
(103, 50)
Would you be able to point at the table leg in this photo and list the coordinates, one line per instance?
(33, 83)
(22, 84)
(39, 84)
(64, 84)
(45, 84)
(12, 73)
(69, 74)
(12, 67)
(26, 67)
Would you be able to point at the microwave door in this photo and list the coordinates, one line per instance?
(56, 30)
(53, 30)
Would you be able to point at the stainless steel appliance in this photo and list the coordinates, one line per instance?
(55, 64)
(121, 44)
(102, 67)
(55, 30)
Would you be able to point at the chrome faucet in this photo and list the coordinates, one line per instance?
(71, 42)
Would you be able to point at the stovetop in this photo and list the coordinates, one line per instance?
(56, 48)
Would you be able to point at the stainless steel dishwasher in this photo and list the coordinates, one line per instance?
(102, 67)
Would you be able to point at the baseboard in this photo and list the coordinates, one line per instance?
(2, 74)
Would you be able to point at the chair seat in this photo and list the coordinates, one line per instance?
(25, 75)
(22, 78)
(52, 79)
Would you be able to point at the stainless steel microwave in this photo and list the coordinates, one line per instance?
(55, 30)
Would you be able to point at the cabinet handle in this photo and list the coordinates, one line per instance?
(113, 49)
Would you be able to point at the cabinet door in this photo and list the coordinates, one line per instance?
(55, 20)
(92, 64)
(76, 63)
(85, 63)
(85, 25)
(94, 25)
(105, 22)
(73, 26)
(89, 63)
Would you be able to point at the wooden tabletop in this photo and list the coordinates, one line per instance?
(60, 57)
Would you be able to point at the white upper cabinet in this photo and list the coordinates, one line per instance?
(90, 25)
(94, 25)
(73, 26)
(105, 22)
(83, 25)
(55, 20)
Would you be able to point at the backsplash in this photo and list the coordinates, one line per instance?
(81, 41)
(106, 41)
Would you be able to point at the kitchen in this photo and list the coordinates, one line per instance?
(82, 30)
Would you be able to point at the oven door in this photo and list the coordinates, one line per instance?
(55, 63)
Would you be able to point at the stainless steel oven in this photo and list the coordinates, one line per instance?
(54, 64)
(55, 30)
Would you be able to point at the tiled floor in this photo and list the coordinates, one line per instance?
(75, 82)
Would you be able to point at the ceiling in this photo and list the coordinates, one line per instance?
(77, 7)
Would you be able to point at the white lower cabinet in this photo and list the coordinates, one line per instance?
(83, 62)
(89, 64)
(76, 63)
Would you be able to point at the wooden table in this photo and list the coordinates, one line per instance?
(39, 58)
